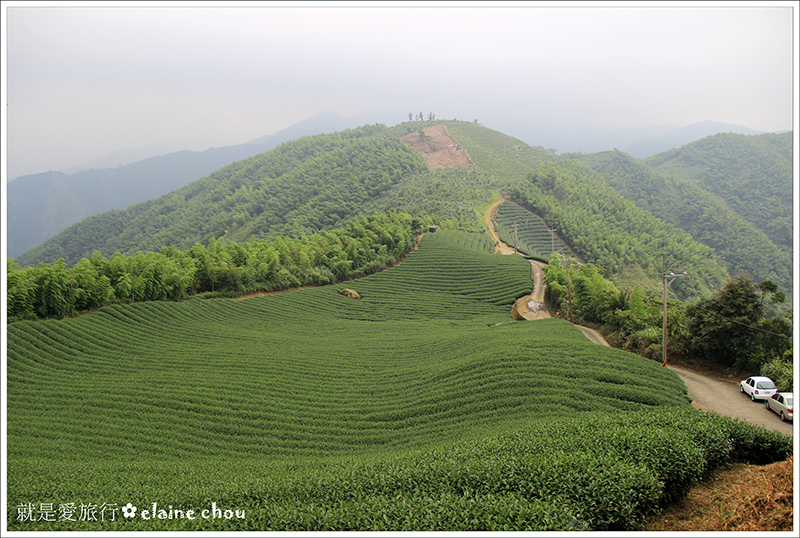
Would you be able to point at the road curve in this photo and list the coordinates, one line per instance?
(725, 398)
(721, 397)
(593, 335)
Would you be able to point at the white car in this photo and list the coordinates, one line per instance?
(783, 404)
(758, 387)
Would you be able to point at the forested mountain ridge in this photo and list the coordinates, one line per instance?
(301, 187)
(607, 230)
(42, 205)
(297, 188)
(752, 174)
(741, 245)
(322, 182)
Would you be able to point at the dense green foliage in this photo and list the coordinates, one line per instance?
(630, 318)
(450, 197)
(729, 327)
(598, 471)
(753, 174)
(781, 371)
(605, 229)
(365, 245)
(42, 205)
(742, 245)
(301, 187)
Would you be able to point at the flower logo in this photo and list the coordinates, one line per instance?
(129, 510)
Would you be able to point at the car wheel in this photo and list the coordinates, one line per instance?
(783, 417)
(767, 404)
(741, 388)
(753, 396)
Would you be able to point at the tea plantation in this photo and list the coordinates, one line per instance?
(421, 406)
(533, 237)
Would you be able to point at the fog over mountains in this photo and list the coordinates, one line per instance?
(42, 205)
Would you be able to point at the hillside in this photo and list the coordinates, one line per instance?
(421, 406)
(605, 229)
(752, 174)
(303, 186)
(449, 172)
(681, 136)
(741, 245)
(42, 205)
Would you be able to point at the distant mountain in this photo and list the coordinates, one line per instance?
(640, 142)
(126, 156)
(586, 140)
(42, 205)
(682, 136)
(752, 174)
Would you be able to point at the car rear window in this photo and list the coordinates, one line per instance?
(789, 402)
(765, 385)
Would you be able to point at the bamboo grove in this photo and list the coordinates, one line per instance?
(365, 245)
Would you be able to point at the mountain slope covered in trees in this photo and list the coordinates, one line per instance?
(322, 182)
(42, 205)
(752, 174)
(608, 230)
(742, 245)
(301, 187)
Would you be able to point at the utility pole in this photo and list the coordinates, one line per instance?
(515, 237)
(569, 287)
(552, 238)
(671, 277)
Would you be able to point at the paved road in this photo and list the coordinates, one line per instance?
(725, 398)
(593, 335)
(722, 397)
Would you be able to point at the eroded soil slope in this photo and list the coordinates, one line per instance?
(439, 148)
(742, 498)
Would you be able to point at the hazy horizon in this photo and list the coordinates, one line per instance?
(89, 79)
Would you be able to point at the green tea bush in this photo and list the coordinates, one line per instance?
(598, 472)
(754, 445)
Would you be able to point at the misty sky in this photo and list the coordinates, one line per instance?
(88, 79)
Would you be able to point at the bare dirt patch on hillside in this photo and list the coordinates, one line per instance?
(439, 148)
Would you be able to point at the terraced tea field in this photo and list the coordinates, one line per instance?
(310, 410)
(533, 237)
(497, 154)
